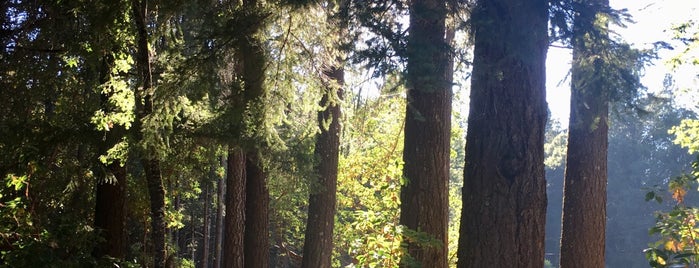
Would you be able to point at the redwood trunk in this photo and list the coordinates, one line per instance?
(504, 193)
(110, 213)
(110, 196)
(256, 214)
(585, 185)
(234, 229)
(253, 62)
(318, 244)
(425, 194)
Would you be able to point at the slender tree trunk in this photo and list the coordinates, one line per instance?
(205, 253)
(424, 196)
(234, 229)
(176, 233)
(150, 163)
(504, 193)
(220, 206)
(585, 185)
(156, 192)
(318, 243)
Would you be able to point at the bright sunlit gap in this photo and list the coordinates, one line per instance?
(653, 19)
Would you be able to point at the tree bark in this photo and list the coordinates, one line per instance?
(110, 213)
(253, 62)
(318, 243)
(234, 229)
(150, 163)
(424, 195)
(256, 213)
(585, 185)
(504, 193)
(110, 196)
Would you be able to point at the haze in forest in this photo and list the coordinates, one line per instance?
(651, 21)
(349, 133)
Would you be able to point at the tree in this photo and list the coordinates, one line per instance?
(504, 193)
(604, 70)
(253, 61)
(234, 229)
(676, 230)
(110, 189)
(220, 208)
(367, 227)
(641, 157)
(555, 148)
(318, 243)
(318, 240)
(424, 194)
(147, 157)
(585, 185)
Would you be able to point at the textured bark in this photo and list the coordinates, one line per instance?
(150, 163)
(318, 243)
(253, 63)
(504, 193)
(110, 213)
(256, 213)
(585, 185)
(424, 196)
(235, 210)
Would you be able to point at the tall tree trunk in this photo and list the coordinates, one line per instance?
(205, 253)
(234, 229)
(504, 193)
(424, 196)
(318, 243)
(220, 206)
(318, 239)
(585, 185)
(156, 193)
(256, 213)
(176, 233)
(253, 62)
(110, 213)
(110, 196)
(150, 163)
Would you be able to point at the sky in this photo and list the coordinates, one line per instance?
(653, 19)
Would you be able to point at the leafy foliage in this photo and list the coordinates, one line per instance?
(367, 228)
(678, 230)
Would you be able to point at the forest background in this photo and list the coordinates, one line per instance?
(123, 124)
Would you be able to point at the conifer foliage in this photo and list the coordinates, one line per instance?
(294, 133)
